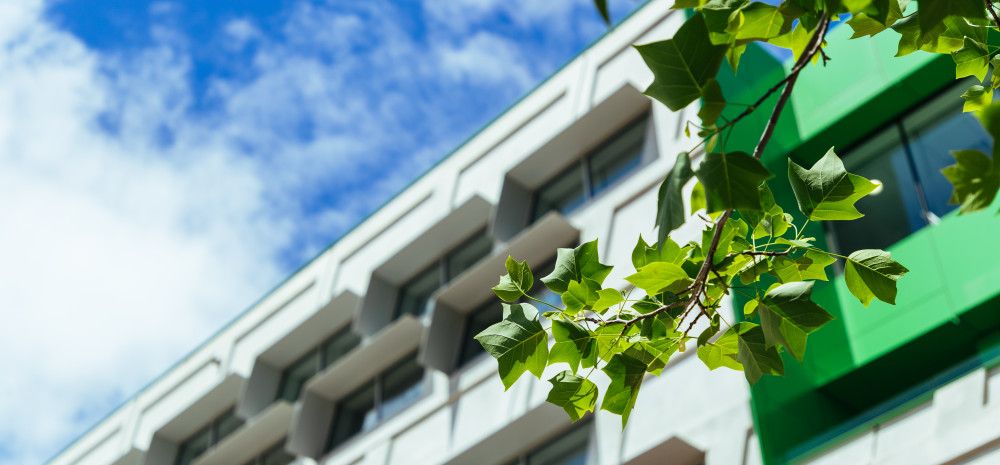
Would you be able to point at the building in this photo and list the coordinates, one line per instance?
(364, 355)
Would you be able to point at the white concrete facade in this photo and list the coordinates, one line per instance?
(688, 416)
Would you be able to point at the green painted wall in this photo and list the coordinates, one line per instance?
(948, 307)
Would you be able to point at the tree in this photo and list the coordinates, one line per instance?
(748, 240)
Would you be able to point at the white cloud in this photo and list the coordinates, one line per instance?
(485, 57)
(133, 226)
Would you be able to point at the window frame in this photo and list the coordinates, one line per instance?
(583, 165)
(319, 351)
(460, 358)
(587, 425)
(214, 438)
(897, 125)
(377, 383)
(440, 266)
(280, 445)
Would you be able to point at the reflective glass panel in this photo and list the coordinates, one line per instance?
(562, 193)
(467, 254)
(277, 456)
(413, 297)
(194, 446)
(934, 131)
(402, 385)
(570, 449)
(225, 425)
(893, 211)
(353, 415)
(618, 157)
(339, 345)
(475, 323)
(296, 376)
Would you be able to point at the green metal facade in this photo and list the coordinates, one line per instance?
(870, 363)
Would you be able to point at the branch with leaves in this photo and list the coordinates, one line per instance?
(749, 245)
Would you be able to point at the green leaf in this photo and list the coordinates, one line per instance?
(576, 395)
(827, 191)
(607, 298)
(761, 22)
(574, 345)
(795, 40)
(682, 66)
(626, 374)
(788, 316)
(810, 266)
(658, 276)
(975, 179)
(976, 98)
(753, 353)
(971, 60)
(698, 200)
(518, 342)
(873, 274)
(712, 105)
(933, 12)
(516, 283)
(580, 295)
(670, 201)
(576, 264)
(602, 8)
(875, 18)
(731, 181)
(722, 352)
(668, 251)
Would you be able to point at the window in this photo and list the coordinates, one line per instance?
(907, 158)
(196, 445)
(387, 394)
(276, 455)
(296, 375)
(569, 449)
(594, 173)
(480, 319)
(416, 294)
(492, 312)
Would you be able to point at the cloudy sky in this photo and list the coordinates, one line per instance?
(164, 163)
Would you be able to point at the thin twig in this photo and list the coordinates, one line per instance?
(993, 12)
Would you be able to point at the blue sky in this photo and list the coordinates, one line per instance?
(164, 163)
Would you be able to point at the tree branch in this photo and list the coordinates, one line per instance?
(993, 12)
(812, 48)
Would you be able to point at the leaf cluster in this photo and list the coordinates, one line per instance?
(671, 305)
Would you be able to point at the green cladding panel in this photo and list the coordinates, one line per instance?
(948, 307)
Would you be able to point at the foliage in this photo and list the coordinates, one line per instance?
(749, 245)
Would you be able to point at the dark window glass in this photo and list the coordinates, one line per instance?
(480, 319)
(570, 449)
(390, 392)
(562, 193)
(402, 385)
(617, 158)
(277, 456)
(194, 447)
(297, 374)
(540, 291)
(338, 346)
(907, 158)
(226, 424)
(353, 415)
(892, 211)
(413, 297)
(611, 162)
(216, 431)
(467, 254)
(933, 132)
